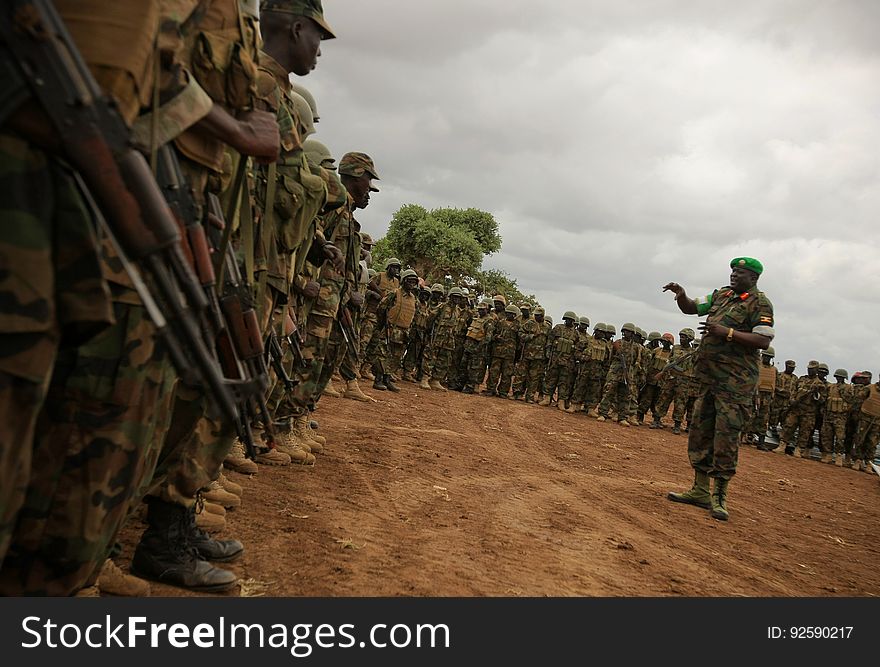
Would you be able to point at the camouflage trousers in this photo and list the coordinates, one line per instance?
(500, 376)
(309, 371)
(368, 326)
(440, 362)
(713, 439)
(559, 377)
(414, 359)
(834, 432)
(803, 421)
(588, 387)
(616, 394)
(779, 410)
(97, 445)
(867, 437)
(473, 363)
(681, 392)
(761, 417)
(520, 373)
(387, 350)
(533, 377)
(648, 400)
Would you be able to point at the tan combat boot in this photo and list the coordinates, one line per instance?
(561, 406)
(425, 384)
(797, 452)
(237, 461)
(330, 391)
(593, 412)
(113, 581)
(303, 432)
(839, 461)
(206, 520)
(353, 391)
(826, 458)
(366, 373)
(436, 386)
(624, 422)
(214, 508)
(574, 408)
(229, 485)
(545, 402)
(215, 493)
(272, 457)
(295, 452)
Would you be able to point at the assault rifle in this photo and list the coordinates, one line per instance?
(346, 328)
(117, 181)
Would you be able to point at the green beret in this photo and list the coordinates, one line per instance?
(749, 263)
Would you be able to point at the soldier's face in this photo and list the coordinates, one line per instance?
(359, 189)
(525, 313)
(539, 318)
(741, 280)
(684, 341)
(568, 322)
(666, 344)
(305, 45)
(510, 317)
(393, 271)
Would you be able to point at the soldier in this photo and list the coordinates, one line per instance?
(445, 323)
(765, 392)
(661, 352)
(561, 345)
(380, 286)
(621, 375)
(786, 382)
(520, 368)
(837, 408)
(809, 395)
(503, 341)
(499, 306)
(677, 383)
(533, 335)
(739, 321)
(868, 432)
(394, 316)
(473, 361)
(590, 356)
(418, 337)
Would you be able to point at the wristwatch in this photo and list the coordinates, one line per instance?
(730, 333)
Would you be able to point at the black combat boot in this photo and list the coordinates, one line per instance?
(165, 554)
(379, 383)
(389, 384)
(219, 551)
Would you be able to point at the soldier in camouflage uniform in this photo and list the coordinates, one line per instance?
(446, 323)
(785, 385)
(810, 393)
(590, 357)
(660, 348)
(473, 361)
(520, 371)
(413, 360)
(739, 321)
(561, 345)
(621, 375)
(677, 382)
(394, 316)
(764, 393)
(533, 334)
(837, 408)
(868, 432)
(382, 284)
(503, 340)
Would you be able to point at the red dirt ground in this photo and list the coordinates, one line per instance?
(444, 494)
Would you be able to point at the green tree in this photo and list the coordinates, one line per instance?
(494, 281)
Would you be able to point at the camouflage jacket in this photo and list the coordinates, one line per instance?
(840, 399)
(624, 361)
(562, 344)
(786, 383)
(504, 339)
(810, 392)
(447, 322)
(533, 335)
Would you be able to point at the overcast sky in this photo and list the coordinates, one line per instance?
(621, 145)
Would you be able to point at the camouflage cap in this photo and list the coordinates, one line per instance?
(539, 311)
(409, 273)
(512, 309)
(687, 332)
(366, 239)
(824, 367)
(628, 326)
(654, 335)
(790, 363)
(437, 287)
(358, 164)
(455, 291)
(310, 8)
(392, 261)
(813, 364)
(526, 306)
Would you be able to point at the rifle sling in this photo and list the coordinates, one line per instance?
(232, 211)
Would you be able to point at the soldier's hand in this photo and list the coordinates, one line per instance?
(311, 289)
(258, 136)
(715, 329)
(356, 299)
(675, 288)
(335, 257)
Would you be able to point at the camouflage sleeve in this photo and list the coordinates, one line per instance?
(762, 320)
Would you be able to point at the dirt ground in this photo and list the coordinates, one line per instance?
(444, 494)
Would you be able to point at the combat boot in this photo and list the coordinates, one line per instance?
(467, 389)
(697, 495)
(719, 499)
(839, 461)
(353, 391)
(640, 419)
(366, 373)
(229, 485)
(221, 551)
(593, 412)
(797, 452)
(826, 458)
(425, 384)
(272, 457)
(379, 383)
(847, 462)
(165, 554)
(858, 465)
(330, 391)
(215, 509)
(676, 428)
(601, 418)
(657, 423)
(215, 493)
(867, 467)
(113, 581)
(624, 422)
(389, 384)
(436, 386)
(294, 451)
(545, 402)
(237, 461)
(303, 433)
(561, 406)
(575, 408)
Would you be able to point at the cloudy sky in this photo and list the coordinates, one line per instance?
(621, 145)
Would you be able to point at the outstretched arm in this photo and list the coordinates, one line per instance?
(685, 304)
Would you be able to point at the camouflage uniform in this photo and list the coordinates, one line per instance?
(394, 317)
(621, 375)
(533, 335)
(591, 359)
(809, 393)
(837, 409)
(413, 360)
(503, 341)
(473, 361)
(785, 386)
(447, 322)
(727, 373)
(561, 345)
(650, 395)
(868, 433)
(677, 385)
(765, 391)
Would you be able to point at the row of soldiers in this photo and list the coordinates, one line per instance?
(845, 416)
(111, 404)
(444, 340)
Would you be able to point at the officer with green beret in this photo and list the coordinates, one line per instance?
(739, 322)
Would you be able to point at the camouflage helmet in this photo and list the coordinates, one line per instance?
(570, 315)
(584, 320)
(304, 113)
(668, 337)
(304, 92)
(437, 287)
(610, 328)
(465, 292)
(455, 291)
(688, 333)
(641, 333)
(484, 303)
(409, 273)
(512, 309)
(841, 373)
(548, 319)
(769, 352)
(366, 239)
(526, 306)
(499, 297)
(392, 261)
(628, 326)
(823, 368)
(372, 273)
(318, 153)
(868, 375)
(539, 311)
(654, 335)
(599, 326)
